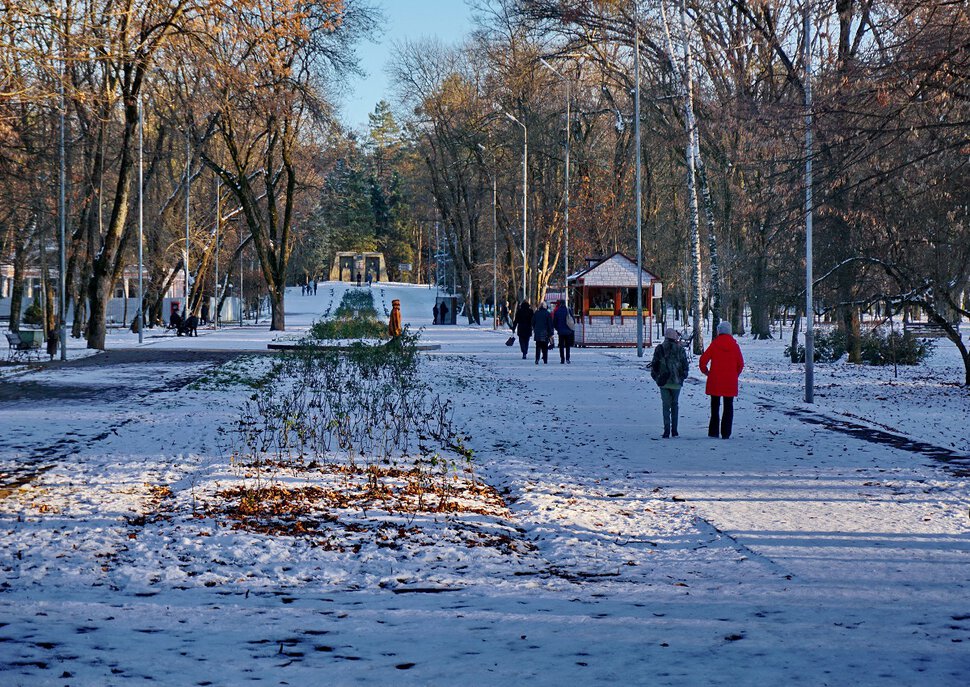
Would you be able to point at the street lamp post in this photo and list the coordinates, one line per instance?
(636, 136)
(809, 306)
(565, 253)
(62, 199)
(241, 298)
(188, 183)
(141, 222)
(218, 227)
(525, 205)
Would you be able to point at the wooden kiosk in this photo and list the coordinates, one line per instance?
(604, 297)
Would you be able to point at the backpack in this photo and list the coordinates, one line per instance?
(660, 369)
(668, 366)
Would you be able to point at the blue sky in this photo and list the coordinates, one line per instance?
(448, 20)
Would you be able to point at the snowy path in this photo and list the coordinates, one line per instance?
(789, 554)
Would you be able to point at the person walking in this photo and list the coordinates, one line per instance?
(522, 326)
(434, 311)
(565, 324)
(722, 362)
(542, 331)
(669, 370)
(394, 328)
(358, 278)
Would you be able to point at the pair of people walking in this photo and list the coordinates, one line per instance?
(721, 363)
(542, 325)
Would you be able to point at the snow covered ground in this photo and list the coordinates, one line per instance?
(820, 545)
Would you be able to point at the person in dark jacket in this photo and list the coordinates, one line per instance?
(561, 317)
(669, 370)
(542, 329)
(722, 362)
(522, 326)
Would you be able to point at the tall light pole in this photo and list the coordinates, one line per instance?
(141, 221)
(809, 306)
(188, 185)
(525, 205)
(565, 252)
(636, 138)
(241, 298)
(62, 196)
(218, 226)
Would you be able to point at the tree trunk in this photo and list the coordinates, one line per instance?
(715, 295)
(276, 298)
(695, 237)
(794, 336)
(21, 249)
(760, 319)
(105, 265)
(50, 303)
(737, 316)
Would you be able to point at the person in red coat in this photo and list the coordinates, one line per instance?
(722, 362)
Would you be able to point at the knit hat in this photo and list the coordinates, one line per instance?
(671, 333)
(724, 327)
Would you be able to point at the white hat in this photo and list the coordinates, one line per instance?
(724, 327)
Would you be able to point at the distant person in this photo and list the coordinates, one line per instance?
(52, 340)
(565, 324)
(175, 321)
(358, 277)
(542, 329)
(522, 326)
(314, 287)
(434, 311)
(722, 362)
(443, 313)
(370, 280)
(669, 370)
(394, 328)
(189, 326)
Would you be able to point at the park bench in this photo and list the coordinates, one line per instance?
(24, 346)
(928, 330)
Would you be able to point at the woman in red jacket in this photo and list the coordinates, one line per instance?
(722, 362)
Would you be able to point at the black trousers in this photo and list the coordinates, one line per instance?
(726, 419)
(524, 344)
(542, 348)
(565, 343)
